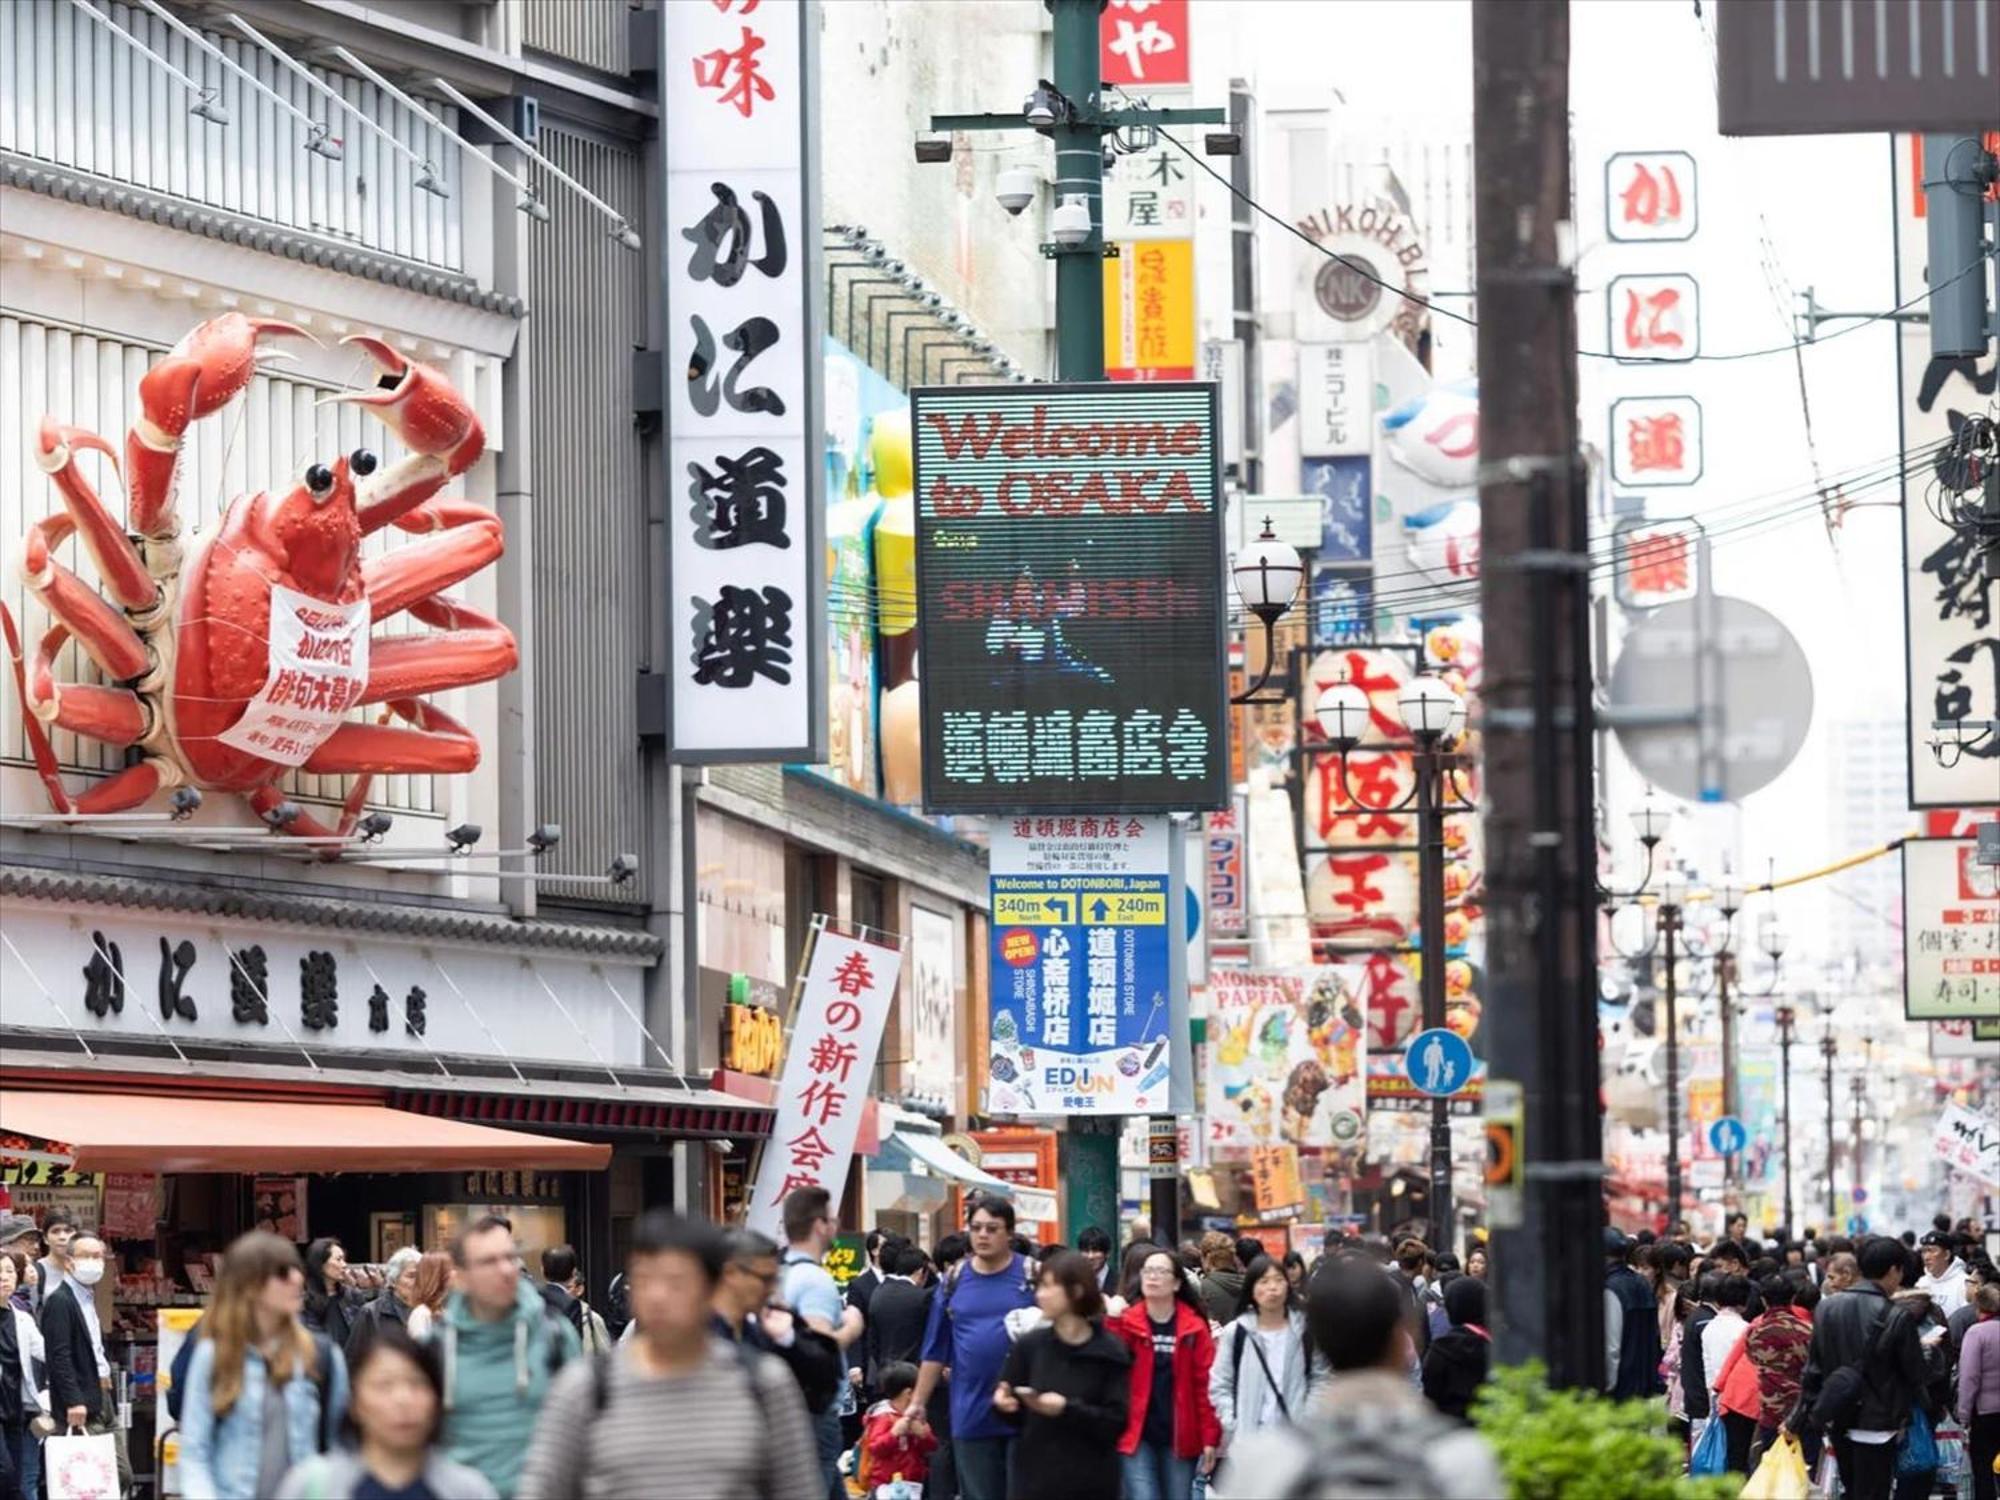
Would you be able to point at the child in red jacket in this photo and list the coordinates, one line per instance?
(890, 1449)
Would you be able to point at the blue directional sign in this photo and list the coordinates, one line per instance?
(1728, 1136)
(1438, 1062)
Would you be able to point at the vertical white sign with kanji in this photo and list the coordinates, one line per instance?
(829, 1059)
(745, 519)
(1650, 195)
(1336, 399)
(1951, 932)
(1655, 440)
(1654, 317)
(1149, 195)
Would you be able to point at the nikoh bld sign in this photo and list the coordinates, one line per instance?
(1070, 577)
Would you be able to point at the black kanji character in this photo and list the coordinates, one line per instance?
(749, 338)
(1955, 697)
(104, 978)
(1961, 574)
(378, 1009)
(741, 636)
(1165, 169)
(413, 1011)
(174, 965)
(742, 504)
(727, 223)
(249, 987)
(319, 1002)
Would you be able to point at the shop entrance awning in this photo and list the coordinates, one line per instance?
(936, 1156)
(169, 1133)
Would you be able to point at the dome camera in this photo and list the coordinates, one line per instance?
(1015, 188)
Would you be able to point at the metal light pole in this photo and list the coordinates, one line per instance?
(1829, 1048)
(1434, 715)
(1673, 898)
(1857, 1086)
(1786, 1016)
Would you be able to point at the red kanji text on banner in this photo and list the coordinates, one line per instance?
(836, 1032)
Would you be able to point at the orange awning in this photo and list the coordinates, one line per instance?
(169, 1133)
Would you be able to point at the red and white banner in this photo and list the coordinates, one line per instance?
(319, 666)
(1144, 43)
(836, 1033)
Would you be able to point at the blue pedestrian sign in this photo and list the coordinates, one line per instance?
(1438, 1062)
(1728, 1136)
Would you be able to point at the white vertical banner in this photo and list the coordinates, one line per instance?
(829, 1060)
(1336, 399)
(746, 525)
(1951, 932)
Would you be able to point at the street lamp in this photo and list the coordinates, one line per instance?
(1434, 715)
(1829, 1049)
(1267, 574)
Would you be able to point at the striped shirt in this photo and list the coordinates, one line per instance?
(706, 1435)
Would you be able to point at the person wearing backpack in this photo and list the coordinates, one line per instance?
(677, 1412)
(263, 1391)
(1265, 1367)
(502, 1347)
(1369, 1432)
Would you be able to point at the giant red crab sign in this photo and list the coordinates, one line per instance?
(238, 658)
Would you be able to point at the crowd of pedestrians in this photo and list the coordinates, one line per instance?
(992, 1368)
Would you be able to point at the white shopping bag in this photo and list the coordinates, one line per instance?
(80, 1466)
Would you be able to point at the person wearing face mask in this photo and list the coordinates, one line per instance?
(80, 1391)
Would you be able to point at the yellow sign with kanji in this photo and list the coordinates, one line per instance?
(1149, 311)
(1274, 1179)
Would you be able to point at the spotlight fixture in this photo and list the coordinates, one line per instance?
(283, 815)
(623, 868)
(182, 804)
(1222, 143)
(933, 152)
(372, 827)
(1044, 106)
(463, 837)
(545, 837)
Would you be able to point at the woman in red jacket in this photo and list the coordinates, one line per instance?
(1172, 1431)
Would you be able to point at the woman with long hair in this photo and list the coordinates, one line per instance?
(1265, 1367)
(263, 1390)
(331, 1304)
(1121, 1293)
(1171, 1429)
(394, 1414)
(1068, 1384)
(431, 1285)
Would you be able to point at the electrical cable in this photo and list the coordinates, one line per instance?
(1429, 305)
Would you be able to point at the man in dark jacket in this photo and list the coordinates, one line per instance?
(1631, 1324)
(558, 1269)
(898, 1312)
(79, 1372)
(743, 1312)
(1694, 1376)
(1856, 1347)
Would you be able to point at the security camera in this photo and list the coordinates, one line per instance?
(1015, 188)
(1070, 224)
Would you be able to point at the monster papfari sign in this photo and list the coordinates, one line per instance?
(1070, 577)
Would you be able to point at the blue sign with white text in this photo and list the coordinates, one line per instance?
(1438, 1062)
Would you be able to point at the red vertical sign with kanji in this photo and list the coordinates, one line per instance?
(836, 1032)
(1144, 43)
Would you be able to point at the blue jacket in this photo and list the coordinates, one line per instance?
(219, 1458)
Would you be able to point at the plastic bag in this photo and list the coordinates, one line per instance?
(1954, 1460)
(1782, 1474)
(1711, 1454)
(79, 1466)
(1826, 1478)
(1918, 1452)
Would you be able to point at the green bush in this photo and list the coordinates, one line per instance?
(1576, 1445)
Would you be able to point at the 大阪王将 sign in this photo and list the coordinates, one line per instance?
(1070, 572)
(1081, 992)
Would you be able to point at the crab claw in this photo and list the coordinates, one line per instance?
(422, 407)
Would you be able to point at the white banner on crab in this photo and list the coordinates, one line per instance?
(318, 669)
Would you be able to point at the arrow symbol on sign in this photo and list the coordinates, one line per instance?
(1053, 906)
(1098, 910)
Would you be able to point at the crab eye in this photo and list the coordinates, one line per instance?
(361, 461)
(319, 479)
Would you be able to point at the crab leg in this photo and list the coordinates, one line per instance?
(425, 411)
(439, 744)
(111, 714)
(469, 647)
(118, 561)
(127, 789)
(99, 627)
(401, 578)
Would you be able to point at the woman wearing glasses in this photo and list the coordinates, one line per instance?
(1172, 1431)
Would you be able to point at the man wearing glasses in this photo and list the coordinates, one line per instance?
(967, 1335)
(746, 1310)
(812, 1294)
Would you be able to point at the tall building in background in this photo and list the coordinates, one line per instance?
(1867, 804)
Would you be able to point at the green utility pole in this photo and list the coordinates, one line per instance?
(1081, 123)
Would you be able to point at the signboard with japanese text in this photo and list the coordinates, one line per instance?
(1079, 994)
(746, 550)
(1968, 1142)
(1951, 932)
(1149, 195)
(1222, 363)
(1228, 908)
(1655, 564)
(932, 1078)
(1653, 317)
(1655, 440)
(1347, 506)
(843, 1004)
(1950, 608)
(1149, 311)
(1650, 195)
(1370, 274)
(1144, 43)
(209, 980)
(1336, 399)
(1070, 579)
(1274, 1182)
(1343, 605)
(1287, 1053)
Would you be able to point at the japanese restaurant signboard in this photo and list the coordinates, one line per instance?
(1951, 932)
(836, 1032)
(1070, 572)
(1650, 195)
(1143, 43)
(747, 525)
